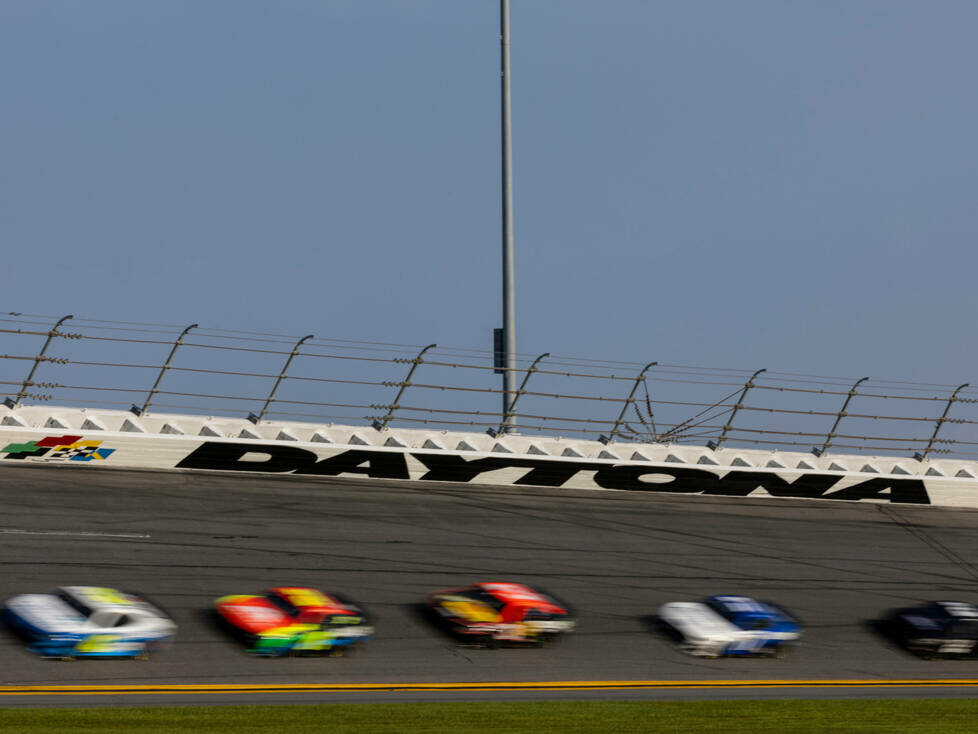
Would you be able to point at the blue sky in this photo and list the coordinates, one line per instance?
(755, 184)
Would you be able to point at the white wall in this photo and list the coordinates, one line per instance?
(101, 439)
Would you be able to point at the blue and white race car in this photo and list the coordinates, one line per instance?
(88, 621)
(729, 625)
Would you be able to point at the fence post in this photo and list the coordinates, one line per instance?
(740, 404)
(940, 422)
(149, 398)
(504, 424)
(37, 361)
(271, 396)
(382, 423)
(628, 401)
(842, 414)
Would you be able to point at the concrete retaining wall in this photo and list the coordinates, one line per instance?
(94, 439)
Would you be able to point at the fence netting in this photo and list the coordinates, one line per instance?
(182, 368)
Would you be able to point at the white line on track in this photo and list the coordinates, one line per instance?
(71, 533)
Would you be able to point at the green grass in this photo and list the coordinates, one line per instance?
(878, 716)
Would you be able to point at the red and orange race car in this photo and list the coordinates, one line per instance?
(292, 620)
(501, 612)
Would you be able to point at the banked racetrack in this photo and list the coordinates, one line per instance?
(185, 538)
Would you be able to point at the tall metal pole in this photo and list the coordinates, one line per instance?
(509, 289)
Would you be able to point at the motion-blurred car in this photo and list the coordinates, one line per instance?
(88, 621)
(501, 612)
(934, 629)
(729, 625)
(291, 620)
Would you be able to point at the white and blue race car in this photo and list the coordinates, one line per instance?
(88, 621)
(729, 625)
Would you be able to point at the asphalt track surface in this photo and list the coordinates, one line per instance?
(184, 539)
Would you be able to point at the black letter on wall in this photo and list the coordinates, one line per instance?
(227, 457)
(380, 465)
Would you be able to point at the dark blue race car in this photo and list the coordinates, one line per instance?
(934, 629)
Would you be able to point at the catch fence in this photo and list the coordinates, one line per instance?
(150, 368)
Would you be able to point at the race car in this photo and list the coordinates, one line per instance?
(293, 620)
(497, 612)
(88, 622)
(934, 629)
(729, 625)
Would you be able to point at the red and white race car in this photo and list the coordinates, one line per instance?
(290, 620)
(501, 612)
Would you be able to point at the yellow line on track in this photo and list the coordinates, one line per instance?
(233, 688)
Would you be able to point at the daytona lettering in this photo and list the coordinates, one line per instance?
(273, 458)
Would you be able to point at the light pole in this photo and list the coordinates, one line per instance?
(507, 359)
